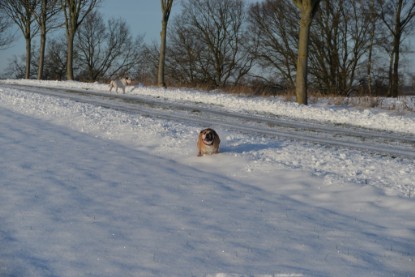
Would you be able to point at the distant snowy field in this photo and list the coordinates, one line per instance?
(88, 191)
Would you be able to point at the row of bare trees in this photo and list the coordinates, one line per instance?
(346, 47)
(340, 45)
(350, 42)
(34, 16)
(208, 44)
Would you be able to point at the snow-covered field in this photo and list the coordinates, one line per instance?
(89, 191)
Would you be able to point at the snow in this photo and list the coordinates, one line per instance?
(89, 191)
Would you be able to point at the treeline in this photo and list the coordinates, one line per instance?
(354, 46)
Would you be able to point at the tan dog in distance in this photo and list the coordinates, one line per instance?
(208, 142)
(120, 83)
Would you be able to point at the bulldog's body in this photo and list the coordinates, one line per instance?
(208, 142)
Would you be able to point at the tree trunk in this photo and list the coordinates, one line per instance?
(69, 58)
(394, 81)
(307, 10)
(41, 54)
(301, 79)
(42, 18)
(372, 34)
(394, 87)
(28, 57)
(395, 73)
(28, 49)
(160, 77)
(165, 9)
(369, 64)
(390, 73)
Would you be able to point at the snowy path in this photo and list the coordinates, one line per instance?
(75, 205)
(374, 141)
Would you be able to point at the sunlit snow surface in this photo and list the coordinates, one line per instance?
(88, 191)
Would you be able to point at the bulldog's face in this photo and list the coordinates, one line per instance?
(208, 136)
(208, 142)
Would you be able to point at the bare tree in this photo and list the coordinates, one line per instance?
(16, 67)
(166, 6)
(89, 43)
(397, 16)
(55, 62)
(146, 71)
(75, 12)
(273, 31)
(106, 50)
(340, 42)
(308, 9)
(184, 61)
(46, 17)
(375, 35)
(22, 13)
(211, 33)
(6, 35)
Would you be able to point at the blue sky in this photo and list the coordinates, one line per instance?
(142, 16)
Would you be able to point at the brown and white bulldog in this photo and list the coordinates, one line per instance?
(120, 83)
(208, 142)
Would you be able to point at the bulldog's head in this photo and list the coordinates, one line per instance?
(208, 136)
(208, 142)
